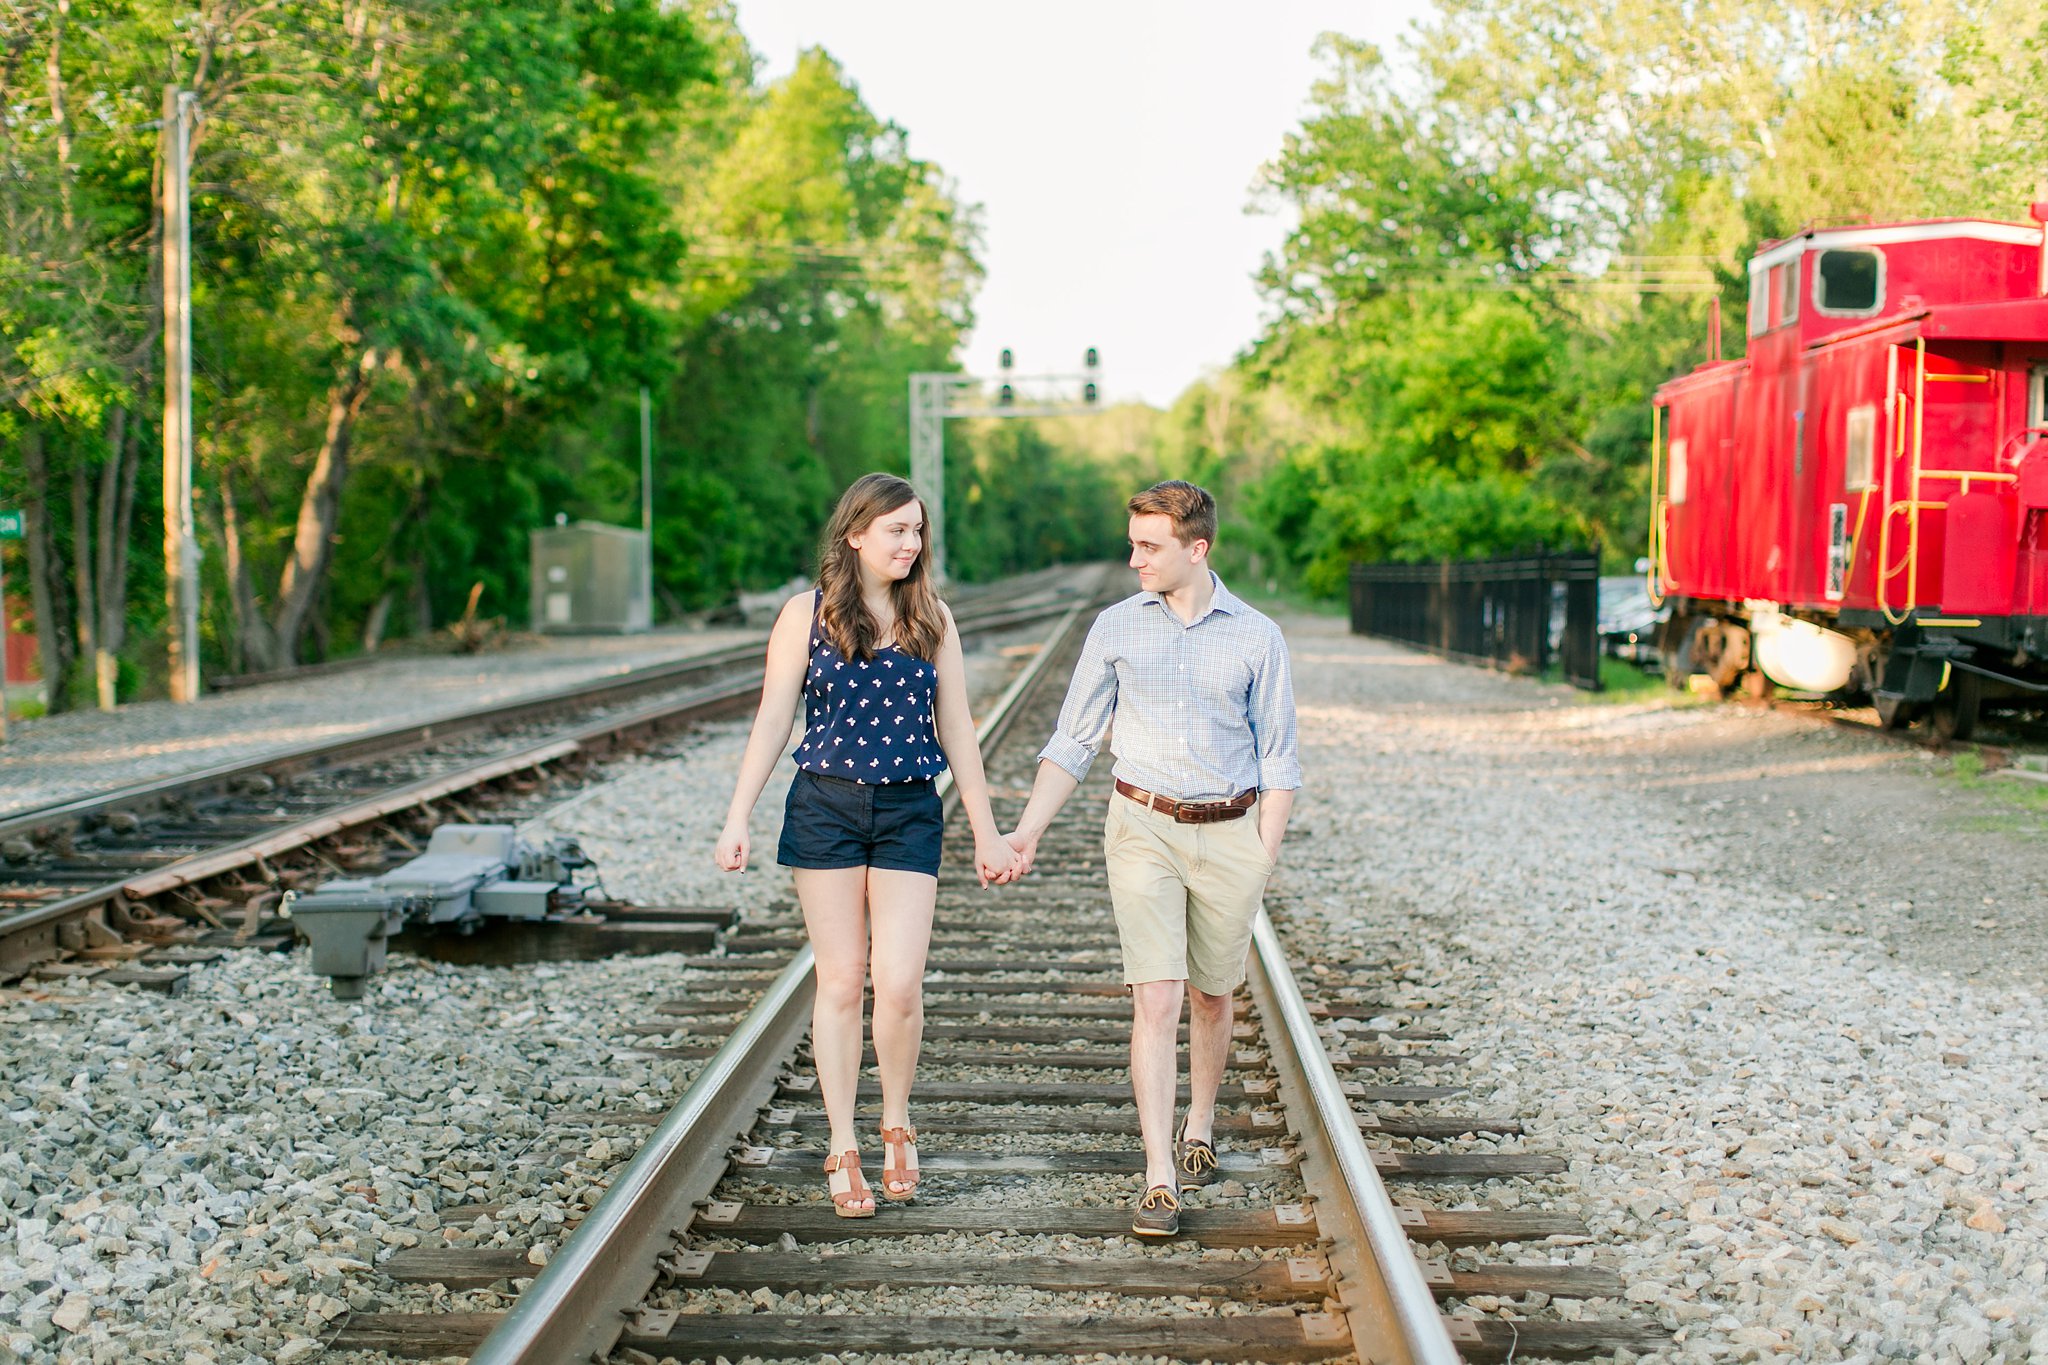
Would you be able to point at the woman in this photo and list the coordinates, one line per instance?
(876, 658)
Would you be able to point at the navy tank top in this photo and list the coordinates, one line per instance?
(869, 721)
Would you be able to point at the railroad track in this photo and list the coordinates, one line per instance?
(134, 884)
(715, 1240)
(2010, 738)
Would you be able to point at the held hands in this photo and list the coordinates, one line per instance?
(1026, 848)
(995, 862)
(732, 848)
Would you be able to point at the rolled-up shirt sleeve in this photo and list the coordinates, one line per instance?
(1270, 710)
(1086, 713)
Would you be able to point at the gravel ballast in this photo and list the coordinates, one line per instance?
(1796, 1138)
(1789, 1131)
(215, 1176)
(217, 1173)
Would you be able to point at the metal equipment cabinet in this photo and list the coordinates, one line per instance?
(589, 578)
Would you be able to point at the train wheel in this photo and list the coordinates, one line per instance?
(1730, 654)
(1954, 711)
(1674, 648)
(1895, 713)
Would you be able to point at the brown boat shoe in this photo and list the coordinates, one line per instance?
(1158, 1213)
(1197, 1162)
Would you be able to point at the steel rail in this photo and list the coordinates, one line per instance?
(415, 734)
(1389, 1305)
(386, 740)
(37, 923)
(575, 1310)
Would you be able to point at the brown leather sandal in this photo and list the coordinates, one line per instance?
(897, 1144)
(857, 1188)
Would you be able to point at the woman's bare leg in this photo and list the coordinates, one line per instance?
(835, 915)
(900, 913)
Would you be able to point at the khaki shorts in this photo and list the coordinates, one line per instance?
(1185, 895)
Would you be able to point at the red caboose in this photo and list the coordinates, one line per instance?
(1861, 505)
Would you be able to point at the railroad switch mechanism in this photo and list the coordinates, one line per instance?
(468, 874)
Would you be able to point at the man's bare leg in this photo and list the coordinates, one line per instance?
(1209, 1018)
(1155, 1072)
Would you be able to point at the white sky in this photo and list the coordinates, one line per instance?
(1112, 145)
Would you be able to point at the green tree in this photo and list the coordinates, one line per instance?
(1505, 246)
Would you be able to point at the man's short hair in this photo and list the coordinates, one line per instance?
(1189, 506)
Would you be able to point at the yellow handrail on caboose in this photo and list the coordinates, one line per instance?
(1911, 504)
(1654, 559)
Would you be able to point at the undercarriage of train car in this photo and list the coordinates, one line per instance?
(1948, 677)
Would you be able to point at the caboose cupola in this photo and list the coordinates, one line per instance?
(1835, 279)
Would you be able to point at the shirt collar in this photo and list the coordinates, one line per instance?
(1221, 599)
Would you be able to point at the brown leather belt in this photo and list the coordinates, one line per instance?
(1192, 812)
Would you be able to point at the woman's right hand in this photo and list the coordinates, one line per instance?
(994, 862)
(732, 848)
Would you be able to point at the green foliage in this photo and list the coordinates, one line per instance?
(1470, 308)
(438, 249)
(1015, 500)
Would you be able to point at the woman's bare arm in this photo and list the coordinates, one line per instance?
(955, 719)
(789, 654)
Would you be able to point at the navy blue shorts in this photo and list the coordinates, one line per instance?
(834, 822)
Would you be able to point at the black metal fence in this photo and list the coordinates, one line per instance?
(1516, 614)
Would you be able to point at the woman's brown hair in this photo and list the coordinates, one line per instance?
(842, 615)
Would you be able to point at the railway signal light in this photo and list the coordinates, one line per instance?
(1088, 393)
(1007, 359)
(1006, 396)
(1093, 359)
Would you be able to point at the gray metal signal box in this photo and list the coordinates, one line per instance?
(591, 579)
(469, 873)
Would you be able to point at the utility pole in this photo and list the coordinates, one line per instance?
(938, 394)
(929, 394)
(647, 469)
(181, 546)
(10, 529)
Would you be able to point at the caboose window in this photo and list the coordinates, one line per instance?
(1788, 292)
(1849, 282)
(1759, 302)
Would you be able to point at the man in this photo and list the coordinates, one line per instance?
(1198, 686)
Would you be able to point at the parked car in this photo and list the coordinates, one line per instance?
(1629, 621)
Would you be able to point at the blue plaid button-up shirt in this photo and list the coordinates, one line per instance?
(1202, 711)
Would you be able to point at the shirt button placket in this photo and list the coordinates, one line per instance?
(1185, 765)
